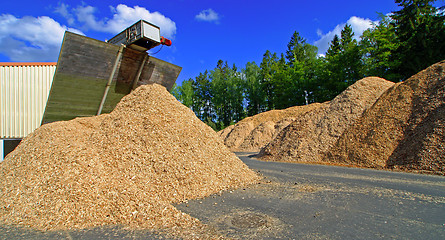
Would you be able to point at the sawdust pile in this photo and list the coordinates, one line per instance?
(126, 167)
(405, 129)
(310, 136)
(253, 133)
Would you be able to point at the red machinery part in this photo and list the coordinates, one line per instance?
(165, 41)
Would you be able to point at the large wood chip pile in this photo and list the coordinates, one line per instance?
(253, 133)
(404, 129)
(126, 167)
(311, 135)
(260, 136)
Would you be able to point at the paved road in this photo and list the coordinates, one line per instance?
(297, 201)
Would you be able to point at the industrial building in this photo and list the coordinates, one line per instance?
(24, 89)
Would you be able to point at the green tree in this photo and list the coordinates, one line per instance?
(266, 76)
(344, 62)
(420, 31)
(254, 94)
(377, 44)
(322, 87)
(332, 82)
(185, 93)
(292, 75)
(203, 107)
(283, 83)
(236, 85)
(175, 91)
(347, 37)
(334, 47)
(228, 94)
(299, 50)
(350, 56)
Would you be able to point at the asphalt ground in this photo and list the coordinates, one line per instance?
(301, 201)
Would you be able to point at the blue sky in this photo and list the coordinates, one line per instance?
(202, 31)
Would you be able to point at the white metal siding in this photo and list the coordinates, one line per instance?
(24, 92)
(1, 150)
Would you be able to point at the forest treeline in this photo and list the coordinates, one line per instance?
(400, 45)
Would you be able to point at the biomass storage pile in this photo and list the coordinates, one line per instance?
(263, 134)
(404, 129)
(126, 168)
(253, 133)
(311, 135)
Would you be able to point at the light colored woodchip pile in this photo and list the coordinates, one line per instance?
(259, 136)
(236, 137)
(264, 133)
(126, 167)
(253, 133)
(276, 115)
(404, 129)
(223, 133)
(311, 135)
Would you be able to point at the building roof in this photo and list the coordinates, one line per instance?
(14, 64)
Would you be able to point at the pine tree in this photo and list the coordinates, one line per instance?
(378, 43)
(350, 56)
(266, 75)
(334, 47)
(293, 47)
(227, 88)
(203, 97)
(344, 63)
(255, 96)
(420, 31)
(347, 38)
(299, 50)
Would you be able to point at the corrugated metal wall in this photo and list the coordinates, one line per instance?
(24, 89)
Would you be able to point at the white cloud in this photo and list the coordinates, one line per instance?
(85, 16)
(63, 9)
(31, 38)
(208, 15)
(39, 38)
(359, 25)
(123, 17)
(325, 39)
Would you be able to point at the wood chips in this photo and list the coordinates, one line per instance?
(311, 135)
(404, 129)
(126, 167)
(253, 133)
